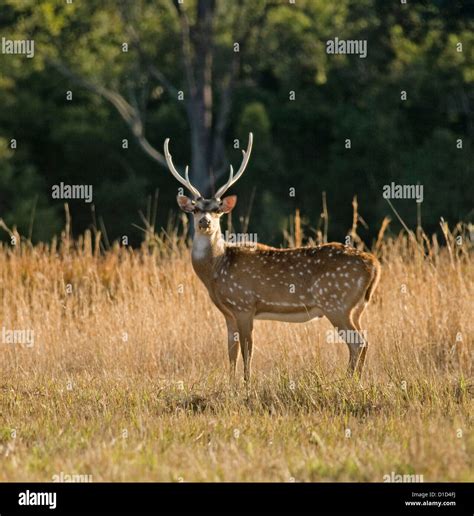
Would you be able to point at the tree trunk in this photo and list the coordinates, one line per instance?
(201, 102)
(199, 163)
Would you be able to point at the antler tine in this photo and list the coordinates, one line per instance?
(226, 186)
(183, 180)
(186, 174)
(233, 179)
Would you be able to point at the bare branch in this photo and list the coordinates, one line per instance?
(161, 78)
(129, 114)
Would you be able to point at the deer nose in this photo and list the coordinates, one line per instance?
(204, 223)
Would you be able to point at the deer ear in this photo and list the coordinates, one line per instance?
(228, 203)
(185, 203)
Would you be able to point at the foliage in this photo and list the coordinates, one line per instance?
(299, 143)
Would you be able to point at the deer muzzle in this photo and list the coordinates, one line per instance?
(204, 223)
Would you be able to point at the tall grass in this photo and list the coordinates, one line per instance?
(127, 377)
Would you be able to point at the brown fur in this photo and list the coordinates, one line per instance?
(258, 281)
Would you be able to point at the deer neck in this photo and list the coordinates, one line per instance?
(206, 253)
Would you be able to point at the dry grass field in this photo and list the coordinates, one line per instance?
(127, 376)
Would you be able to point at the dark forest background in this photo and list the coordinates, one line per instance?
(182, 78)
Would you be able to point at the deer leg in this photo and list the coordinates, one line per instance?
(245, 324)
(232, 345)
(356, 315)
(355, 341)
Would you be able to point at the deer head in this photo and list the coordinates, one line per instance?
(207, 212)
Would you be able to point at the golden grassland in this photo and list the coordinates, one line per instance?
(127, 378)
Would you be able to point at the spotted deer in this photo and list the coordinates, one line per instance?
(258, 282)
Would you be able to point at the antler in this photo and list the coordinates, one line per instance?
(183, 180)
(243, 166)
